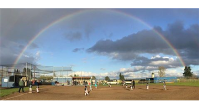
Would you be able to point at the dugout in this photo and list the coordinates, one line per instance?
(62, 81)
(13, 81)
(150, 80)
(167, 79)
(83, 81)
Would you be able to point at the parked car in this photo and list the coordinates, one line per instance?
(112, 82)
(128, 81)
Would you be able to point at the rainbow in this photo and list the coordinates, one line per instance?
(86, 11)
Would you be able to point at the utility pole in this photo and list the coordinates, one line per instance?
(2, 71)
(53, 72)
(26, 68)
(34, 72)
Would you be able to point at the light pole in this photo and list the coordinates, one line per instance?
(91, 83)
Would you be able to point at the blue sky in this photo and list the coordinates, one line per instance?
(103, 42)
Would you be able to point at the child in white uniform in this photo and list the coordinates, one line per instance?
(85, 91)
(147, 86)
(164, 85)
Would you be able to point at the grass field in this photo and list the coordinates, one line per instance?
(8, 91)
(177, 84)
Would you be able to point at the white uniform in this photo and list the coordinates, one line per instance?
(147, 86)
(164, 86)
(86, 92)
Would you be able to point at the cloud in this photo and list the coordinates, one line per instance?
(37, 55)
(18, 26)
(131, 47)
(130, 73)
(34, 46)
(83, 73)
(136, 72)
(9, 53)
(78, 49)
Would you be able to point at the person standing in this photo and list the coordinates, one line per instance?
(126, 86)
(95, 85)
(133, 84)
(109, 84)
(164, 85)
(85, 91)
(147, 86)
(21, 85)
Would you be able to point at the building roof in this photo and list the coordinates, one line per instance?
(81, 77)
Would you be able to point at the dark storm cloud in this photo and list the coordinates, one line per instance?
(23, 24)
(9, 52)
(146, 41)
(18, 26)
(143, 41)
(78, 49)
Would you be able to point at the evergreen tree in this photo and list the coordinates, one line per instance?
(187, 72)
(121, 77)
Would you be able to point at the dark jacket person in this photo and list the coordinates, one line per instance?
(21, 85)
(133, 84)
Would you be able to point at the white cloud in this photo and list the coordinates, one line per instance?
(129, 74)
(164, 61)
(123, 69)
(26, 56)
(83, 73)
(37, 55)
(114, 55)
(157, 56)
(159, 63)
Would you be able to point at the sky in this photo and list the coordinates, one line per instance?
(103, 42)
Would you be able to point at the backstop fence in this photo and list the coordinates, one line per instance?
(11, 73)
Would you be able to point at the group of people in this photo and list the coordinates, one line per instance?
(147, 85)
(132, 85)
(22, 85)
(86, 92)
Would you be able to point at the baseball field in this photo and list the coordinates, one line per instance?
(116, 92)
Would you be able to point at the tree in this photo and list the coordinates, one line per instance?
(93, 77)
(45, 77)
(75, 75)
(187, 72)
(121, 77)
(161, 71)
(107, 78)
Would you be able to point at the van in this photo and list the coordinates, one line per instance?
(112, 82)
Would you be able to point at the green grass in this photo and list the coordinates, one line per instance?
(8, 91)
(185, 84)
(177, 84)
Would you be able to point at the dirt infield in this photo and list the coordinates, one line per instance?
(155, 92)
